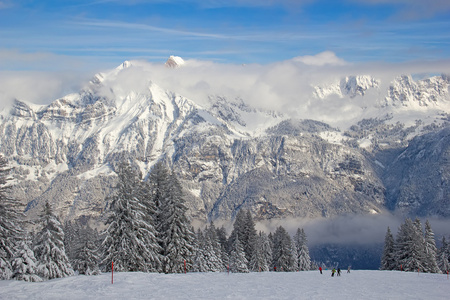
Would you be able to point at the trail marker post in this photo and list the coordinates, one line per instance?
(184, 266)
(112, 272)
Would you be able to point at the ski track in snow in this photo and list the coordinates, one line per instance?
(266, 285)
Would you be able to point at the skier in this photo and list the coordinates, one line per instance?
(320, 270)
(348, 269)
(339, 272)
(332, 272)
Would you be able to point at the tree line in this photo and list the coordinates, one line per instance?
(147, 230)
(414, 249)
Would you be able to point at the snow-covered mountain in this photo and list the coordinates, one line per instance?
(229, 155)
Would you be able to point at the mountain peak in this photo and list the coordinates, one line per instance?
(174, 62)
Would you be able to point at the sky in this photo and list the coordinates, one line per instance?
(49, 48)
(91, 34)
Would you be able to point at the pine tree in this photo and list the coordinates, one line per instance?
(130, 241)
(262, 256)
(238, 262)
(24, 265)
(388, 261)
(199, 262)
(283, 258)
(238, 230)
(301, 243)
(430, 250)
(72, 240)
(175, 234)
(87, 258)
(443, 256)
(244, 227)
(410, 246)
(215, 252)
(10, 223)
(250, 236)
(49, 248)
(222, 238)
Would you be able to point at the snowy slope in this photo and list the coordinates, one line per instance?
(267, 285)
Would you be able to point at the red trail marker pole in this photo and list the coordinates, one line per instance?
(112, 272)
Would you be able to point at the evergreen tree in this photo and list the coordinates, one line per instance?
(174, 230)
(238, 230)
(430, 250)
(443, 256)
(238, 262)
(294, 259)
(262, 255)
(72, 240)
(215, 252)
(250, 236)
(388, 261)
(199, 263)
(244, 227)
(10, 227)
(24, 265)
(87, 259)
(301, 244)
(410, 246)
(130, 241)
(49, 249)
(222, 238)
(283, 258)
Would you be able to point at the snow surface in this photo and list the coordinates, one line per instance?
(266, 285)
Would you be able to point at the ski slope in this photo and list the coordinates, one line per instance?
(266, 285)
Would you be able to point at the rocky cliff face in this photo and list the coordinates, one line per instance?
(66, 153)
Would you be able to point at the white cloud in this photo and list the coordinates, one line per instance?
(285, 86)
(321, 59)
(37, 87)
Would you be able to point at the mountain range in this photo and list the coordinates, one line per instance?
(394, 156)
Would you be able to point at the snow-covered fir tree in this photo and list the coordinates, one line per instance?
(410, 249)
(430, 250)
(199, 262)
(10, 223)
(250, 236)
(262, 255)
(301, 244)
(244, 227)
(238, 229)
(215, 258)
(388, 261)
(24, 264)
(130, 242)
(87, 259)
(238, 262)
(443, 256)
(49, 249)
(174, 229)
(223, 241)
(283, 259)
(71, 240)
(207, 254)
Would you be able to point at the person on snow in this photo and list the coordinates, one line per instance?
(348, 270)
(332, 272)
(320, 270)
(339, 272)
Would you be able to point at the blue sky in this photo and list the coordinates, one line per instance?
(92, 34)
